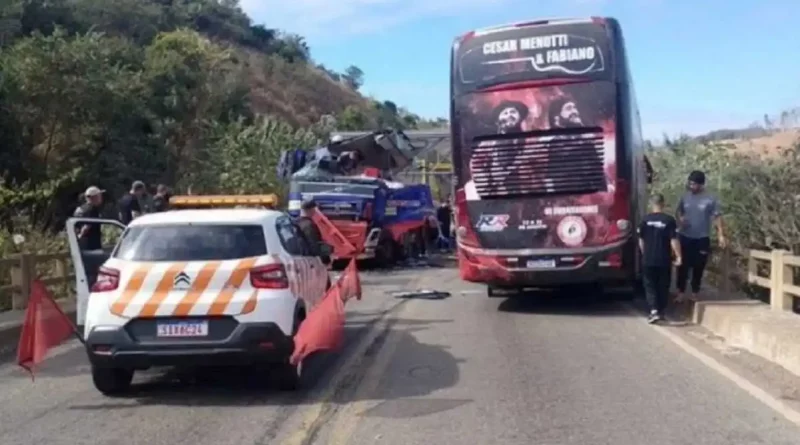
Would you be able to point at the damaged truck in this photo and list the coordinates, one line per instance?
(362, 213)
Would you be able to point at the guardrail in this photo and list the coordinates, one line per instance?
(780, 280)
(24, 268)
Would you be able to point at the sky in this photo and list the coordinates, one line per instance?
(697, 65)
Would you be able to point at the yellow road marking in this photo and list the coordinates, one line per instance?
(315, 413)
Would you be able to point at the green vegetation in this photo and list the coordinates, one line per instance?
(184, 92)
(760, 192)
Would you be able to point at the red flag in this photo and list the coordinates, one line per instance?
(45, 327)
(350, 282)
(323, 329)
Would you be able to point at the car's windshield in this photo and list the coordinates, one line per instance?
(191, 242)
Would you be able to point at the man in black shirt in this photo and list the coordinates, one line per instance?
(89, 235)
(161, 200)
(658, 240)
(129, 207)
(444, 214)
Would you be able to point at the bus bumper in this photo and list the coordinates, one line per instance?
(611, 266)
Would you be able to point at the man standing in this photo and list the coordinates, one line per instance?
(697, 211)
(658, 241)
(89, 235)
(444, 214)
(129, 207)
(161, 200)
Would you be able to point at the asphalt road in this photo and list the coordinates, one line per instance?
(463, 369)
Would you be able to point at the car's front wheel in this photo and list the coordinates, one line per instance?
(112, 381)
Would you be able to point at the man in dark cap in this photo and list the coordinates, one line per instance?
(129, 206)
(697, 211)
(161, 199)
(509, 115)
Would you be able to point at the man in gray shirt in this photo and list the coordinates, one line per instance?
(697, 211)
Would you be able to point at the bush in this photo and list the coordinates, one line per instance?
(759, 193)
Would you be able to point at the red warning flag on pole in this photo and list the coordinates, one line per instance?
(45, 327)
(350, 282)
(323, 329)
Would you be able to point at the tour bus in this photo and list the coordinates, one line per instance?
(550, 175)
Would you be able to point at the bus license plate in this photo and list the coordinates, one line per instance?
(541, 264)
(183, 329)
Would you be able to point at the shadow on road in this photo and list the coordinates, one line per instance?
(567, 302)
(417, 369)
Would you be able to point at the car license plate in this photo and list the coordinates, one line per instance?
(541, 264)
(183, 329)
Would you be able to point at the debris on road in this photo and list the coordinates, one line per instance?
(423, 294)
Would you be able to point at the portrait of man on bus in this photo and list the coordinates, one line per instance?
(563, 113)
(509, 116)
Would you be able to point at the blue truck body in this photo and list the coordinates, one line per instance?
(384, 213)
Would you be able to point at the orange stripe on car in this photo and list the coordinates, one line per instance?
(199, 286)
(163, 288)
(250, 304)
(239, 274)
(131, 289)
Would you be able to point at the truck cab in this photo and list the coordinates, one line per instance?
(374, 214)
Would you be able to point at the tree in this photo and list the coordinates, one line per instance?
(70, 102)
(190, 80)
(352, 119)
(293, 48)
(243, 155)
(354, 77)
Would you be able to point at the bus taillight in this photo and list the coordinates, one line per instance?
(619, 213)
(465, 233)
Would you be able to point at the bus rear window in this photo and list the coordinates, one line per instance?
(209, 242)
(533, 53)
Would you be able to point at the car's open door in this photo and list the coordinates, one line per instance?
(87, 262)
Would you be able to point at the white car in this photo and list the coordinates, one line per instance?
(196, 288)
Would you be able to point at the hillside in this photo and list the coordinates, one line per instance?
(772, 143)
(190, 93)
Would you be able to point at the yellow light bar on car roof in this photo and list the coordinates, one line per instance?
(269, 201)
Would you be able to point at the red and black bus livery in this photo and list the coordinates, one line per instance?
(548, 156)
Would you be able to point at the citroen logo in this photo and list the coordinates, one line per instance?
(182, 279)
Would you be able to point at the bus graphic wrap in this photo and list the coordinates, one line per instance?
(549, 168)
(561, 152)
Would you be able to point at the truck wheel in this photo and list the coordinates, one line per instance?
(112, 381)
(385, 251)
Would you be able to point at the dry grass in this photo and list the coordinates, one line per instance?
(298, 93)
(765, 145)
